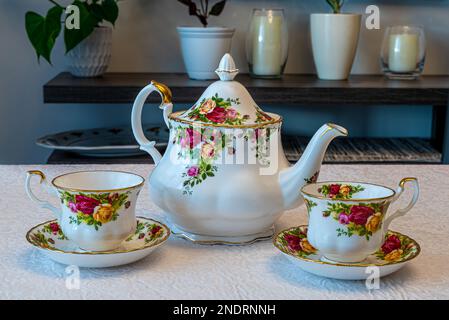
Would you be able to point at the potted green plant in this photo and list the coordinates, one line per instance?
(334, 41)
(88, 40)
(202, 47)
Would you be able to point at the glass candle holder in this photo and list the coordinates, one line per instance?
(267, 43)
(403, 52)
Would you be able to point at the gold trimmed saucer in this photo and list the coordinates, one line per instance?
(293, 243)
(51, 241)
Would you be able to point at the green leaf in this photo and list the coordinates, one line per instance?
(110, 11)
(88, 22)
(217, 9)
(43, 32)
(336, 5)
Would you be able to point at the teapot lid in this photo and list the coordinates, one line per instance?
(226, 103)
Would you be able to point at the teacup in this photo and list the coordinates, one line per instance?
(97, 207)
(348, 220)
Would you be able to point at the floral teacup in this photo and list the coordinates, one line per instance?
(348, 220)
(97, 207)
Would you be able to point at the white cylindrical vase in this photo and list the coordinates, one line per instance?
(334, 43)
(203, 48)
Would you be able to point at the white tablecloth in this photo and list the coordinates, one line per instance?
(182, 270)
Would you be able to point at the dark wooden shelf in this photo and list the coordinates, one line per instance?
(291, 89)
(294, 89)
(343, 150)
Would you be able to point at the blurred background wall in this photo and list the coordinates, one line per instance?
(145, 40)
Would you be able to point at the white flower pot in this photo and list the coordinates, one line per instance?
(334, 43)
(92, 56)
(202, 49)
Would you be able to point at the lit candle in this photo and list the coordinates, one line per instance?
(403, 53)
(267, 48)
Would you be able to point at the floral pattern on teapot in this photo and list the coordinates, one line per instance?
(218, 110)
(360, 219)
(203, 147)
(94, 209)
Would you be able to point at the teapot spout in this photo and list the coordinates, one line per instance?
(306, 170)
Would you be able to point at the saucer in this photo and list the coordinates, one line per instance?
(50, 240)
(300, 252)
(215, 240)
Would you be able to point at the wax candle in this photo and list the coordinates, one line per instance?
(403, 52)
(267, 45)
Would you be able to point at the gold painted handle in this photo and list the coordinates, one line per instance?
(164, 91)
(400, 212)
(136, 116)
(41, 203)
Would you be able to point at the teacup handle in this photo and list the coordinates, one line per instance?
(41, 203)
(400, 212)
(136, 116)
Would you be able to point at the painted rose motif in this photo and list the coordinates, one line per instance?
(391, 243)
(362, 219)
(396, 247)
(218, 110)
(85, 204)
(207, 150)
(231, 114)
(155, 231)
(72, 206)
(343, 218)
(360, 214)
(218, 115)
(147, 231)
(373, 222)
(193, 171)
(94, 209)
(54, 227)
(207, 106)
(296, 241)
(339, 191)
(313, 178)
(104, 213)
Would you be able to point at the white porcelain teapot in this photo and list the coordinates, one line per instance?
(224, 176)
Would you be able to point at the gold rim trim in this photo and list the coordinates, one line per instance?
(97, 190)
(405, 180)
(346, 200)
(174, 116)
(354, 265)
(340, 129)
(156, 243)
(163, 90)
(38, 173)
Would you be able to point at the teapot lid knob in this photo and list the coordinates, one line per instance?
(226, 69)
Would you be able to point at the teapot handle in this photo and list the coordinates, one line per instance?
(136, 116)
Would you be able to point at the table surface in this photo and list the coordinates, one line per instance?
(182, 270)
